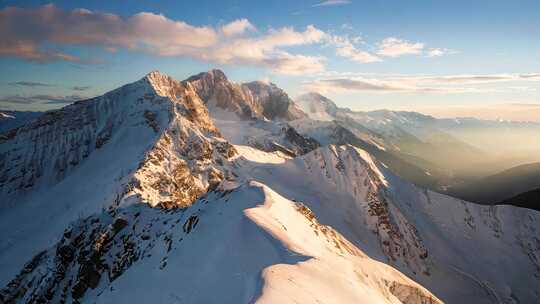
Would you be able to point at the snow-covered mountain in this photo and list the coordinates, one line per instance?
(460, 149)
(172, 192)
(460, 251)
(317, 106)
(150, 141)
(500, 186)
(255, 99)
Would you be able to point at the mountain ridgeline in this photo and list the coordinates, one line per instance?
(205, 190)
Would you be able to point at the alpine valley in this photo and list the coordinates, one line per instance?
(210, 191)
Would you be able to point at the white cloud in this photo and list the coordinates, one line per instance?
(346, 26)
(331, 3)
(31, 34)
(438, 52)
(295, 64)
(237, 27)
(394, 47)
(346, 48)
(351, 52)
(267, 50)
(389, 47)
(37, 34)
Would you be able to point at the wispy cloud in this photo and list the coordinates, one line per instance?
(376, 85)
(391, 47)
(469, 79)
(345, 47)
(419, 84)
(30, 84)
(331, 3)
(438, 52)
(32, 34)
(41, 98)
(80, 88)
(394, 47)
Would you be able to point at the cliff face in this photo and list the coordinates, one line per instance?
(275, 102)
(217, 91)
(249, 100)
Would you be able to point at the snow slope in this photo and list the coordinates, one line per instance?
(460, 251)
(238, 244)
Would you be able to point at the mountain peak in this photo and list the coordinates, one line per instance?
(317, 106)
(156, 78)
(162, 84)
(217, 73)
(314, 96)
(214, 75)
(154, 74)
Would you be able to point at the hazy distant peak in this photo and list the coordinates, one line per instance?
(316, 97)
(317, 106)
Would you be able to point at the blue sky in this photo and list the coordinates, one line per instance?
(440, 57)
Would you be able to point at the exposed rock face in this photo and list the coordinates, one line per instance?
(275, 102)
(281, 137)
(249, 100)
(92, 252)
(216, 90)
(353, 171)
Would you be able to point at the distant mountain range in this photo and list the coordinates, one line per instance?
(205, 191)
(455, 150)
(501, 186)
(529, 199)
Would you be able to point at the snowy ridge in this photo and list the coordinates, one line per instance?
(460, 251)
(292, 247)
